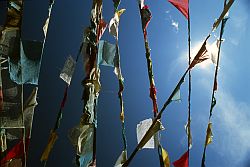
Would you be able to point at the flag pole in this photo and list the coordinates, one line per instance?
(214, 90)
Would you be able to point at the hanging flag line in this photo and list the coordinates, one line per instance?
(200, 57)
(96, 76)
(66, 89)
(109, 55)
(68, 71)
(188, 126)
(32, 67)
(14, 21)
(121, 89)
(209, 133)
(121, 84)
(183, 7)
(83, 136)
(146, 16)
(66, 75)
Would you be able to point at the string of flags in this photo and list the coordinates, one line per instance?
(113, 30)
(20, 62)
(200, 57)
(143, 126)
(85, 132)
(183, 7)
(215, 57)
(19, 65)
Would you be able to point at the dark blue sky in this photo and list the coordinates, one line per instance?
(168, 48)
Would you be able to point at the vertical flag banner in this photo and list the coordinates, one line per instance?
(115, 62)
(91, 85)
(215, 59)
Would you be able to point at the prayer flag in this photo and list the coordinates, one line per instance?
(181, 5)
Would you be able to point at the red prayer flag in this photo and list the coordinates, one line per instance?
(181, 5)
(145, 19)
(16, 152)
(201, 55)
(101, 29)
(183, 161)
(153, 97)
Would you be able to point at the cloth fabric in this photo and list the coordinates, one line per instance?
(116, 4)
(145, 133)
(188, 132)
(201, 55)
(68, 70)
(145, 18)
(209, 136)
(101, 29)
(114, 23)
(27, 68)
(46, 24)
(181, 5)
(14, 14)
(183, 161)
(52, 139)
(122, 159)
(164, 158)
(107, 54)
(222, 15)
(15, 152)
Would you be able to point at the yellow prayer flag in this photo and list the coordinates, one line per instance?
(209, 137)
(224, 12)
(52, 139)
(165, 157)
(188, 132)
(120, 12)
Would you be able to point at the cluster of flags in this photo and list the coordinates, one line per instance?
(202, 55)
(19, 65)
(20, 62)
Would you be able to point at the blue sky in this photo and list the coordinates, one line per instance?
(168, 45)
